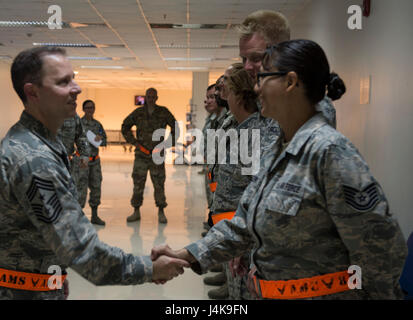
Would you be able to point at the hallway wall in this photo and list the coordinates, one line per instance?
(383, 129)
(11, 106)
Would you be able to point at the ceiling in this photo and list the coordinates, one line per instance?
(123, 30)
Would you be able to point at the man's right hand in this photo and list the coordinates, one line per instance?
(166, 268)
(164, 249)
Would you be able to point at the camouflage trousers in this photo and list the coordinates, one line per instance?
(90, 177)
(141, 166)
(17, 294)
(237, 286)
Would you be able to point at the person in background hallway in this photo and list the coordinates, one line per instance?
(210, 107)
(94, 177)
(314, 209)
(74, 139)
(42, 223)
(147, 119)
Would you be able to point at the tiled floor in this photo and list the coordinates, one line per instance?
(186, 211)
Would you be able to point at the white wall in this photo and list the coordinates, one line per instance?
(11, 106)
(382, 130)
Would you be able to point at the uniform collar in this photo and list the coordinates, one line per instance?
(304, 133)
(35, 126)
(245, 123)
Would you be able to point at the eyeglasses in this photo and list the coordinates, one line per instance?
(269, 74)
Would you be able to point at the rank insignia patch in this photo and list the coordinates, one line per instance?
(43, 199)
(362, 200)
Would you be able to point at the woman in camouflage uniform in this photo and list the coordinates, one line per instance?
(314, 212)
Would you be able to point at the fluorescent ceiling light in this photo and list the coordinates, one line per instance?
(187, 59)
(78, 45)
(71, 45)
(201, 46)
(102, 67)
(30, 24)
(188, 68)
(188, 26)
(89, 58)
(5, 57)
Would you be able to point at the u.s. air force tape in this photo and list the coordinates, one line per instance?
(43, 200)
(362, 200)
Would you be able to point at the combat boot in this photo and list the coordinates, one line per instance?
(95, 219)
(135, 216)
(217, 280)
(161, 216)
(220, 293)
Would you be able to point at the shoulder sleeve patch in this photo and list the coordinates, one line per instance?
(362, 200)
(43, 200)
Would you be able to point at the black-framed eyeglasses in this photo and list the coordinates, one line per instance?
(269, 74)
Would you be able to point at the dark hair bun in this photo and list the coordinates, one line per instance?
(335, 87)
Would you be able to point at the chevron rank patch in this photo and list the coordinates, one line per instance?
(362, 200)
(43, 199)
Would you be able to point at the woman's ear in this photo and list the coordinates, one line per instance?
(292, 80)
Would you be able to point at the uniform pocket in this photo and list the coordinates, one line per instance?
(279, 202)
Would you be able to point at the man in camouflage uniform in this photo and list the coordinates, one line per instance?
(94, 169)
(147, 119)
(77, 147)
(264, 28)
(42, 222)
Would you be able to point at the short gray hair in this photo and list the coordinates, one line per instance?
(272, 25)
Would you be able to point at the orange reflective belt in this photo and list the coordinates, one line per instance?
(146, 151)
(213, 186)
(28, 281)
(303, 288)
(90, 158)
(94, 158)
(217, 217)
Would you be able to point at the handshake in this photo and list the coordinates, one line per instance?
(168, 263)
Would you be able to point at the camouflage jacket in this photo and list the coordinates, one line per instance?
(225, 123)
(313, 209)
(71, 133)
(146, 125)
(97, 128)
(233, 178)
(42, 223)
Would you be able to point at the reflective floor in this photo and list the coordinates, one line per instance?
(186, 212)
